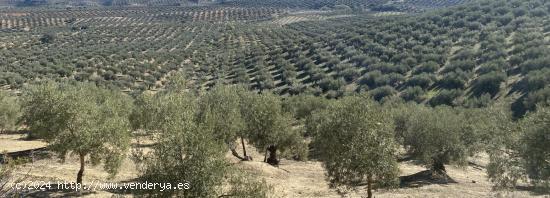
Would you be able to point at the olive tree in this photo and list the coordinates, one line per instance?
(80, 119)
(185, 152)
(522, 152)
(268, 126)
(303, 105)
(437, 136)
(355, 142)
(536, 147)
(188, 150)
(220, 107)
(9, 111)
(47, 38)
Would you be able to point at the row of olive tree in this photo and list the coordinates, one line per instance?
(191, 131)
(357, 140)
(355, 137)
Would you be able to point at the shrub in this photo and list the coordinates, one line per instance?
(247, 186)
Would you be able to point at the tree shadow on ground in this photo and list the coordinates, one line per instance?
(422, 178)
(534, 190)
(29, 155)
(14, 132)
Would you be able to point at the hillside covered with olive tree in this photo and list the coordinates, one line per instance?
(467, 55)
(276, 98)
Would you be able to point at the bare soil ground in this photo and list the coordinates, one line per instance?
(17, 142)
(295, 17)
(290, 179)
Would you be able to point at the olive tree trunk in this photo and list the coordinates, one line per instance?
(369, 186)
(244, 149)
(236, 154)
(272, 159)
(81, 171)
(438, 167)
(438, 171)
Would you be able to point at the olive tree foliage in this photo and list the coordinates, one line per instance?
(179, 83)
(10, 111)
(400, 113)
(522, 153)
(356, 144)
(302, 106)
(187, 150)
(221, 108)
(268, 126)
(80, 119)
(437, 136)
(47, 38)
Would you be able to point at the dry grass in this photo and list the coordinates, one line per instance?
(17, 142)
(290, 179)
